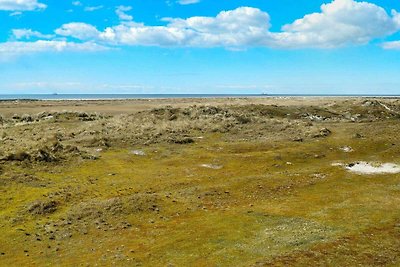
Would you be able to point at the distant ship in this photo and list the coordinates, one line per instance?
(55, 94)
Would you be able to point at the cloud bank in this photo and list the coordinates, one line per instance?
(339, 23)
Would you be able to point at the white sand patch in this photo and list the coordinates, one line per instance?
(373, 168)
(347, 149)
(386, 107)
(211, 166)
(138, 153)
(48, 117)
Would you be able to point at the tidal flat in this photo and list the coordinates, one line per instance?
(200, 182)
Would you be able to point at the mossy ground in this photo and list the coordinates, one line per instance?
(273, 202)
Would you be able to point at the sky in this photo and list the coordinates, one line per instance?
(200, 46)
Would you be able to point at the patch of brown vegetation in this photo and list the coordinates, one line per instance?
(40, 207)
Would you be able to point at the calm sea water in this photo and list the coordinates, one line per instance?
(157, 96)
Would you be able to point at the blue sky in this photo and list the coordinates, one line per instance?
(206, 46)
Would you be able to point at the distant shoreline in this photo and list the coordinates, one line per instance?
(99, 97)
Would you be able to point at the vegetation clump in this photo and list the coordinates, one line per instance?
(40, 207)
(324, 132)
(18, 156)
(182, 140)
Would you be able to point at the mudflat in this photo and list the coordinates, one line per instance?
(202, 182)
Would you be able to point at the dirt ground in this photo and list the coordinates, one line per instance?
(201, 182)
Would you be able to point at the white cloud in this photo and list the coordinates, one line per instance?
(28, 34)
(86, 8)
(188, 2)
(21, 5)
(77, 3)
(121, 13)
(244, 26)
(15, 13)
(13, 49)
(394, 45)
(92, 8)
(78, 30)
(340, 22)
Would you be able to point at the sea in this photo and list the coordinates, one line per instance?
(9, 97)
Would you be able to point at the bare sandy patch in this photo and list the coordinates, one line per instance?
(211, 166)
(373, 168)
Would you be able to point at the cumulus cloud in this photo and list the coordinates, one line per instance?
(78, 30)
(243, 26)
(340, 23)
(21, 5)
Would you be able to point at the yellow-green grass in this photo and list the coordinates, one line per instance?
(272, 202)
